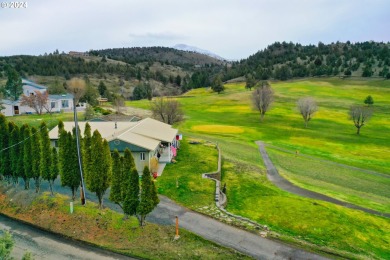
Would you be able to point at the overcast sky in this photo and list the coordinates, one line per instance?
(231, 29)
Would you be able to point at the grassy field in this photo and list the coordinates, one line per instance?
(360, 188)
(228, 119)
(330, 228)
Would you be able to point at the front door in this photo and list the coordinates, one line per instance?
(16, 110)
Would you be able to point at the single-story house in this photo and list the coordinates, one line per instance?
(57, 103)
(146, 139)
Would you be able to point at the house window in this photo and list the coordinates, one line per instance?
(55, 143)
(142, 156)
(65, 103)
(53, 104)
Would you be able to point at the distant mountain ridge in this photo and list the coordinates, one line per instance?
(184, 47)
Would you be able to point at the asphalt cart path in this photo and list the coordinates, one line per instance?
(274, 176)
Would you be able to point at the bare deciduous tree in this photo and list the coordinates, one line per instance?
(360, 115)
(119, 104)
(307, 106)
(167, 110)
(262, 98)
(77, 88)
(37, 101)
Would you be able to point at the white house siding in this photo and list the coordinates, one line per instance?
(140, 165)
(59, 105)
(28, 90)
(7, 111)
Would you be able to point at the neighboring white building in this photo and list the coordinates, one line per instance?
(57, 103)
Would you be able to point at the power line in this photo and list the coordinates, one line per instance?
(38, 131)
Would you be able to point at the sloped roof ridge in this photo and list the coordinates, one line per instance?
(126, 130)
(33, 84)
(140, 145)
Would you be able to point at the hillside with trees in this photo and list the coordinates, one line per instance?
(138, 73)
(167, 71)
(283, 61)
(168, 56)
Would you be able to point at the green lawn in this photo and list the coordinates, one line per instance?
(181, 181)
(51, 120)
(228, 119)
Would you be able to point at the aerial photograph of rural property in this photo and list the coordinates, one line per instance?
(225, 129)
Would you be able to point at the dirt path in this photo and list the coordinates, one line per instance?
(274, 176)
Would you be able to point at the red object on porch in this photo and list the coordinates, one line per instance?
(155, 175)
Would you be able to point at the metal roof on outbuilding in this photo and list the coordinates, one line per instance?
(32, 84)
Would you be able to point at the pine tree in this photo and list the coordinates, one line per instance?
(86, 151)
(99, 178)
(15, 153)
(36, 151)
(54, 169)
(62, 139)
(4, 143)
(117, 179)
(3, 131)
(369, 101)
(131, 187)
(7, 157)
(27, 157)
(147, 200)
(20, 166)
(132, 198)
(70, 176)
(217, 85)
(45, 153)
(13, 87)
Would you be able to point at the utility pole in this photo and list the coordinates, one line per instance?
(77, 88)
(82, 191)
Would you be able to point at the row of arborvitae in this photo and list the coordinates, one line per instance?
(25, 153)
(101, 170)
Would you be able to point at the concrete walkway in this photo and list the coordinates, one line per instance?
(223, 234)
(274, 176)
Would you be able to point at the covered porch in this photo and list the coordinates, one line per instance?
(168, 151)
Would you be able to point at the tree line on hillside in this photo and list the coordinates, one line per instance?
(284, 61)
(164, 55)
(263, 96)
(62, 65)
(280, 61)
(26, 153)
